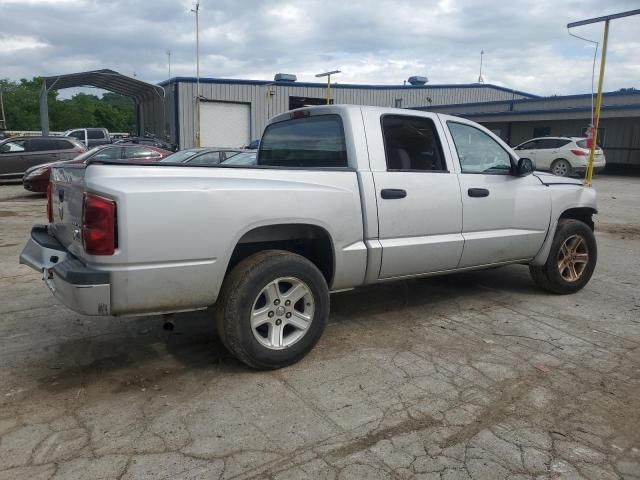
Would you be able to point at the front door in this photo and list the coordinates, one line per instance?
(418, 196)
(505, 217)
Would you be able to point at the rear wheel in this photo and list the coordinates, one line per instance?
(272, 309)
(561, 168)
(572, 259)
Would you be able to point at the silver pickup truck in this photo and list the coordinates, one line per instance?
(341, 197)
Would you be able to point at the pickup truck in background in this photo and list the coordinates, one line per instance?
(341, 197)
(91, 137)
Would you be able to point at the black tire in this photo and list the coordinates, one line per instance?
(239, 292)
(549, 276)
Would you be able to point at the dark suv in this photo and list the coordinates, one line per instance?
(17, 154)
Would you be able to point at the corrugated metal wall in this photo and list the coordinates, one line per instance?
(269, 100)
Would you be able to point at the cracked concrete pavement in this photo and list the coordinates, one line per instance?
(470, 376)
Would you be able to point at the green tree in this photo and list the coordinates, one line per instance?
(22, 108)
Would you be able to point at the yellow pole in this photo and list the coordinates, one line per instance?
(328, 89)
(589, 175)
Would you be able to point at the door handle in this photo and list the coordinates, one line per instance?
(478, 192)
(391, 193)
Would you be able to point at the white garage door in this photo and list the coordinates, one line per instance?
(224, 124)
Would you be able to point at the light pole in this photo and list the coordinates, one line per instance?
(169, 61)
(197, 12)
(606, 19)
(480, 79)
(328, 75)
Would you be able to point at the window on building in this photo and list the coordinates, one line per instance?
(411, 143)
(541, 131)
(398, 103)
(311, 142)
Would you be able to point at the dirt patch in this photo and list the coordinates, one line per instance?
(620, 230)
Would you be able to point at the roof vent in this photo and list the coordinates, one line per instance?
(285, 77)
(417, 80)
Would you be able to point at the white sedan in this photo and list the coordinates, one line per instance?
(562, 156)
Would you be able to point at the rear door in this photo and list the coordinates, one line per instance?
(38, 151)
(417, 193)
(505, 217)
(547, 150)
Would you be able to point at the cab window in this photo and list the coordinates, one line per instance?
(478, 152)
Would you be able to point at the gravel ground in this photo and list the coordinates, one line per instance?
(476, 375)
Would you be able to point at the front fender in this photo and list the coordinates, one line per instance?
(564, 198)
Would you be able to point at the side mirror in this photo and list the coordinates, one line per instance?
(525, 167)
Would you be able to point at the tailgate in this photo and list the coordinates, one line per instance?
(67, 190)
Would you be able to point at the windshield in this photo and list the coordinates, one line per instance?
(88, 154)
(181, 156)
(245, 158)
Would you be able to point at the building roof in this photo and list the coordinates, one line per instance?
(565, 106)
(236, 81)
(107, 80)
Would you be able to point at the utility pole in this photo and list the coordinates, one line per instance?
(606, 19)
(4, 119)
(480, 79)
(169, 61)
(197, 12)
(328, 75)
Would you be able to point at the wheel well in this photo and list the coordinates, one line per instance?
(584, 214)
(312, 242)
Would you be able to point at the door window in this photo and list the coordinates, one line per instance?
(40, 145)
(13, 146)
(547, 143)
(95, 135)
(79, 134)
(532, 145)
(411, 143)
(478, 152)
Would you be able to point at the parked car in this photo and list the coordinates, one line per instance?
(152, 141)
(91, 137)
(200, 156)
(563, 156)
(36, 179)
(342, 196)
(18, 154)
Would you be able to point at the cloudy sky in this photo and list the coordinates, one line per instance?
(376, 41)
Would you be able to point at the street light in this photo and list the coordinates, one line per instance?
(606, 19)
(328, 75)
(197, 12)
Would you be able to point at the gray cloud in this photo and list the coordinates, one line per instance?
(383, 41)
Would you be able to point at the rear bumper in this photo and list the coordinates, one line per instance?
(81, 288)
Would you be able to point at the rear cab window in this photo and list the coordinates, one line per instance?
(308, 142)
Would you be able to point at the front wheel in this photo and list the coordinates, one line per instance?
(272, 309)
(571, 261)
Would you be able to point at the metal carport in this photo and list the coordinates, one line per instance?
(105, 79)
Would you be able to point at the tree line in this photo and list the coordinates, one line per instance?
(22, 108)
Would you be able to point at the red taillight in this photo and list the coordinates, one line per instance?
(579, 153)
(300, 114)
(49, 205)
(99, 226)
